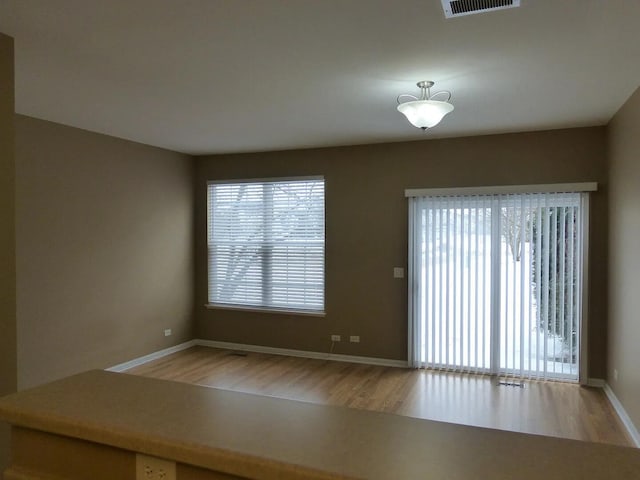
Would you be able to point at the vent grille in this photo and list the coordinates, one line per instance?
(511, 384)
(458, 8)
(237, 354)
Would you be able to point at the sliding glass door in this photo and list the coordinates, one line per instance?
(496, 283)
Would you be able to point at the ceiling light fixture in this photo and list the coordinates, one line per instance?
(424, 112)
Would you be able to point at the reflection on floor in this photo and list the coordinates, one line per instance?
(545, 408)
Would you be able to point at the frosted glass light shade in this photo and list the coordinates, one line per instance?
(425, 113)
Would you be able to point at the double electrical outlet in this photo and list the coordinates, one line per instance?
(152, 468)
(352, 338)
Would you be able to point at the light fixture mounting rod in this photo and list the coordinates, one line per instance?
(425, 89)
(425, 84)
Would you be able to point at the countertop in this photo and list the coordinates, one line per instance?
(269, 438)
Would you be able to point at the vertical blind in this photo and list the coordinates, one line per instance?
(266, 244)
(495, 283)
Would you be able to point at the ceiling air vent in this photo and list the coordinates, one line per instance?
(458, 8)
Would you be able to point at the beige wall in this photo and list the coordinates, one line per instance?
(366, 225)
(624, 255)
(104, 249)
(7, 237)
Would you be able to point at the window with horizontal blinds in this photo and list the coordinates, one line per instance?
(266, 244)
(496, 283)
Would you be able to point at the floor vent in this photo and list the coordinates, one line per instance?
(458, 8)
(511, 384)
(237, 354)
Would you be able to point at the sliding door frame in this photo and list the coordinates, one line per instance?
(414, 337)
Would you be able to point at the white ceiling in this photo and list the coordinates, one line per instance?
(213, 76)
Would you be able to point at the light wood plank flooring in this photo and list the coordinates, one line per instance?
(546, 408)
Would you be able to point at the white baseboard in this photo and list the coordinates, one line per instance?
(622, 413)
(152, 356)
(596, 382)
(257, 349)
(303, 353)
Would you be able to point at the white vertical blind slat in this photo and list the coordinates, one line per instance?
(431, 246)
(477, 292)
(469, 262)
(546, 244)
(486, 263)
(456, 293)
(570, 317)
(523, 282)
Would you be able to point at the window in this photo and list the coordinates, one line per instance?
(266, 244)
(497, 283)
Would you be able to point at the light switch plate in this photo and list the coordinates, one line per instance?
(398, 272)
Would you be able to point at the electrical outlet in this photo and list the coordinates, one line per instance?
(335, 338)
(152, 468)
(354, 338)
(615, 374)
(167, 332)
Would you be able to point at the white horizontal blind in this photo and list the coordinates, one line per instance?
(495, 283)
(266, 244)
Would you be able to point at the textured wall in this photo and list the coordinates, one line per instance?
(624, 255)
(104, 249)
(366, 229)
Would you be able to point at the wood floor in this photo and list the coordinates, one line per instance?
(546, 408)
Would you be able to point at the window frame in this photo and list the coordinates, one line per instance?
(265, 308)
